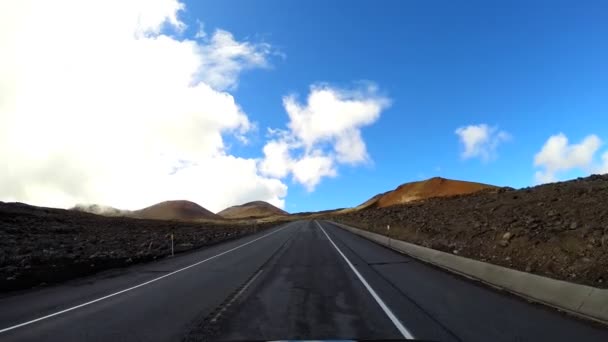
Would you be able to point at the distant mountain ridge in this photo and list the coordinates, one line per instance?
(188, 211)
(251, 209)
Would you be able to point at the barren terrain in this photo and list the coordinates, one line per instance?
(44, 245)
(558, 230)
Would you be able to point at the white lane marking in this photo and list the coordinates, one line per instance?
(403, 330)
(136, 286)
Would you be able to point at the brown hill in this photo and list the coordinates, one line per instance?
(252, 209)
(414, 191)
(175, 210)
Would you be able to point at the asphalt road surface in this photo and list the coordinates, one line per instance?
(303, 280)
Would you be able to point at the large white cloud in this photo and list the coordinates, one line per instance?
(557, 155)
(100, 100)
(480, 141)
(324, 132)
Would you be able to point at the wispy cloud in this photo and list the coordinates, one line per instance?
(481, 141)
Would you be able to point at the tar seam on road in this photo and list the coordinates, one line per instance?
(136, 286)
(214, 319)
(403, 330)
(231, 299)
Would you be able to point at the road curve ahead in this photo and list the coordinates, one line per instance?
(303, 280)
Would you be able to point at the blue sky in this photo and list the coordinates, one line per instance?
(309, 105)
(532, 69)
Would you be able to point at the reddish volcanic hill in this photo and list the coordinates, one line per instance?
(252, 209)
(175, 210)
(414, 191)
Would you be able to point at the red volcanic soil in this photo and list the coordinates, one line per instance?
(430, 188)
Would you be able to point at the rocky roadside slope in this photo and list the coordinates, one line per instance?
(44, 245)
(558, 230)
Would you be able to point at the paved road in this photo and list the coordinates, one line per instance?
(306, 279)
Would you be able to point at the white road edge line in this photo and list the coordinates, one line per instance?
(136, 286)
(403, 330)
